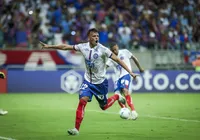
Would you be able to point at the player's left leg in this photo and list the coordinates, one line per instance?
(79, 115)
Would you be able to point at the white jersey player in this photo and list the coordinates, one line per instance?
(94, 83)
(125, 56)
(123, 81)
(95, 59)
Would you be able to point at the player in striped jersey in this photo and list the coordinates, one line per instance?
(123, 81)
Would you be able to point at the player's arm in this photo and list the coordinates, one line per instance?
(116, 59)
(58, 47)
(137, 63)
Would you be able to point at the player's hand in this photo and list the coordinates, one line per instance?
(134, 75)
(141, 70)
(2, 75)
(43, 45)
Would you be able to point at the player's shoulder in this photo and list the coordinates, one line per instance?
(124, 51)
(102, 47)
(83, 44)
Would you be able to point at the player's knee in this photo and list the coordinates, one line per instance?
(85, 98)
(126, 92)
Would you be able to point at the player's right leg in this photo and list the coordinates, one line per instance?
(117, 90)
(79, 115)
(127, 94)
(121, 103)
(100, 92)
(84, 97)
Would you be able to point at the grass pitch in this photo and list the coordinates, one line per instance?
(48, 116)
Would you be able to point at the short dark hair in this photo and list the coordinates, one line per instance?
(92, 30)
(112, 44)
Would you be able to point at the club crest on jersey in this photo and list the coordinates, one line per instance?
(122, 58)
(86, 49)
(95, 56)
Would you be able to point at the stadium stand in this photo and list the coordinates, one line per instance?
(171, 25)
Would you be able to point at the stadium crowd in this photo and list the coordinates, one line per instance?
(134, 24)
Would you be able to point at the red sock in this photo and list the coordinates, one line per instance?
(129, 102)
(80, 113)
(111, 101)
(121, 105)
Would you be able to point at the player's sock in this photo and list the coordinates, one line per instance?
(111, 101)
(129, 102)
(121, 105)
(80, 113)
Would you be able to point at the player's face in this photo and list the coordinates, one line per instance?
(93, 38)
(115, 49)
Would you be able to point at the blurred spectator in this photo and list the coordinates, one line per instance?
(135, 24)
(103, 34)
(1, 37)
(21, 36)
(125, 36)
(196, 63)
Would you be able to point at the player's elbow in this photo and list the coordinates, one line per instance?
(118, 60)
(134, 58)
(65, 47)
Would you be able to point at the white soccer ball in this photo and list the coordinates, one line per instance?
(124, 113)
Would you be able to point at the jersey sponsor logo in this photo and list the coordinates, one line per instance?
(95, 56)
(71, 81)
(170, 81)
(89, 64)
(86, 49)
(84, 86)
(119, 67)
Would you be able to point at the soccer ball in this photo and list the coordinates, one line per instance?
(124, 113)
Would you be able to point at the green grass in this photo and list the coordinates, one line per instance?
(48, 116)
